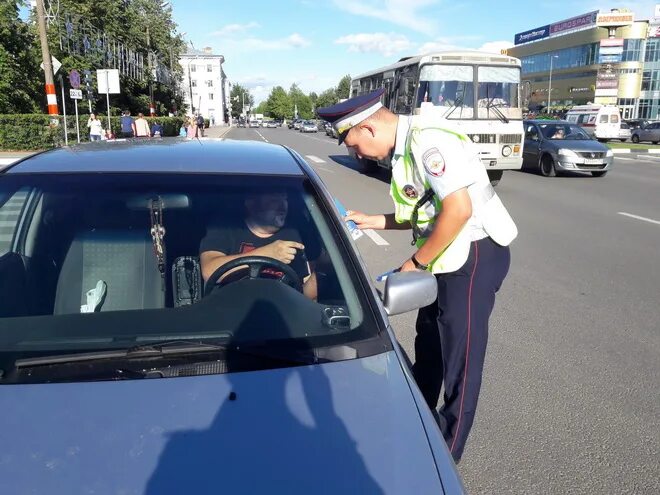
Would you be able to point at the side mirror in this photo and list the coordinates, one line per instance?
(409, 291)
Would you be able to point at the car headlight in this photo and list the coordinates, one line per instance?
(609, 153)
(506, 151)
(568, 153)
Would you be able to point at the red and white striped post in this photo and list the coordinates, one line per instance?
(51, 99)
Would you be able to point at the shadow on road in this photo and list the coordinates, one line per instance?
(560, 175)
(350, 163)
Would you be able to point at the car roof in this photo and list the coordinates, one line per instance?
(172, 155)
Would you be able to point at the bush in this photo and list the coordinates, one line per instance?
(35, 132)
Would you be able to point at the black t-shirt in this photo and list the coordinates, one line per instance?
(241, 240)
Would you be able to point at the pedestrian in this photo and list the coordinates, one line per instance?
(192, 127)
(156, 129)
(95, 127)
(127, 125)
(142, 127)
(200, 125)
(461, 232)
(183, 130)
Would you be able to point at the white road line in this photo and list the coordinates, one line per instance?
(376, 238)
(626, 159)
(639, 218)
(315, 159)
(261, 136)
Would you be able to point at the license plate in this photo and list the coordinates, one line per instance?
(593, 161)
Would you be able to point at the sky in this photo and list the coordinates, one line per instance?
(313, 43)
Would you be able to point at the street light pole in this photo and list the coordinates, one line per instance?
(550, 81)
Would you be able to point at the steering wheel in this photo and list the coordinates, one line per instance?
(256, 266)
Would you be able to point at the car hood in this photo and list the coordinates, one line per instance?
(345, 427)
(577, 145)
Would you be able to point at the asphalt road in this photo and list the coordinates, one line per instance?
(571, 399)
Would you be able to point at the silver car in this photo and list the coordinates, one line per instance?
(648, 132)
(308, 126)
(553, 146)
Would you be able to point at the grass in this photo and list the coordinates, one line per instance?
(634, 146)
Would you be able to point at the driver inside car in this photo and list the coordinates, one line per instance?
(263, 232)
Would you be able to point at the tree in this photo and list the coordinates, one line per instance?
(327, 98)
(240, 95)
(20, 84)
(301, 101)
(344, 87)
(262, 108)
(279, 104)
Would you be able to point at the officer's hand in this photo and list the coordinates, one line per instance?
(408, 266)
(284, 251)
(364, 221)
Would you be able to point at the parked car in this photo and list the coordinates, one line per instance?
(271, 124)
(254, 123)
(636, 123)
(297, 124)
(328, 129)
(648, 132)
(553, 146)
(624, 132)
(308, 126)
(292, 123)
(123, 371)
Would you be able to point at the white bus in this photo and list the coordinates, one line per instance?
(475, 93)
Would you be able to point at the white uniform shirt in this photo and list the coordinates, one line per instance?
(448, 164)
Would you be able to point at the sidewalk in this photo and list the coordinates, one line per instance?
(217, 131)
(9, 157)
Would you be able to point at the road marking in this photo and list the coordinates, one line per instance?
(376, 238)
(261, 136)
(639, 218)
(315, 159)
(618, 151)
(326, 141)
(626, 159)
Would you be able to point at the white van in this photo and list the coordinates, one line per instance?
(602, 121)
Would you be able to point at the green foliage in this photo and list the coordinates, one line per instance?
(327, 98)
(278, 104)
(19, 66)
(344, 87)
(238, 96)
(301, 101)
(34, 132)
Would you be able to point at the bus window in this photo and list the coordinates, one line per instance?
(498, 87)
(603, 119)
(614, 119)
(405, 94)
(448, 86)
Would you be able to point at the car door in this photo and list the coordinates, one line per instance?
(532, 146)
(654, 132)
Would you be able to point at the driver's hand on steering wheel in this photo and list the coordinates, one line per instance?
(284, 251)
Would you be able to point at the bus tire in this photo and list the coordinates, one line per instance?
(495, 176)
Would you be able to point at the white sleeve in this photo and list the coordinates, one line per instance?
(445, 159)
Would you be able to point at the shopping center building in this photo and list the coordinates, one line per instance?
(598, 57)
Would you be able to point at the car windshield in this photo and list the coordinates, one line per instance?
(101, 262)
(563, 131)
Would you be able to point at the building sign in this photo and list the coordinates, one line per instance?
(657, 10)
(654, 31)
(532, 35)
(578, 22)
(607, 83)
(607, 42)
(615, 19)
(611, 51)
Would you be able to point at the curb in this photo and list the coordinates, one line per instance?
(621, 151)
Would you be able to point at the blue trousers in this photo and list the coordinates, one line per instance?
(452, 334)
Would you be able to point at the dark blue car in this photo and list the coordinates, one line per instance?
(125, 367)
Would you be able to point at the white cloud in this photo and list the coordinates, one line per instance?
(495, 46)
(407, 13)
(384, 43)
(231, 29)
(259, 44)
(441, 45)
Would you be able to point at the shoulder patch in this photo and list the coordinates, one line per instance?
(434, 162)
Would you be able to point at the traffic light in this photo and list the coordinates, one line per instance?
(87, 81)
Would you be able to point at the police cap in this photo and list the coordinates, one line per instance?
(351, 112)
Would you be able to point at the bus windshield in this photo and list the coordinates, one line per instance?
(497, 94)
(450, 86)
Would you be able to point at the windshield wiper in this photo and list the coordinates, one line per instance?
(490, 106)
(178, 347)
(166, 348)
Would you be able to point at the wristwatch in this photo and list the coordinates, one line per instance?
(418, 265)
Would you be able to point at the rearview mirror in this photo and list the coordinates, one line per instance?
(408, 291)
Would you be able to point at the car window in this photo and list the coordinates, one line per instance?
(107, 278)
(602, 119)
(531, 133)
(614, 119)
(12, 204)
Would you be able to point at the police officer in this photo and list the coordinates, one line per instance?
(461, 232)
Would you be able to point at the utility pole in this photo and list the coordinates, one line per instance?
(152, 109)
(51, 97)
